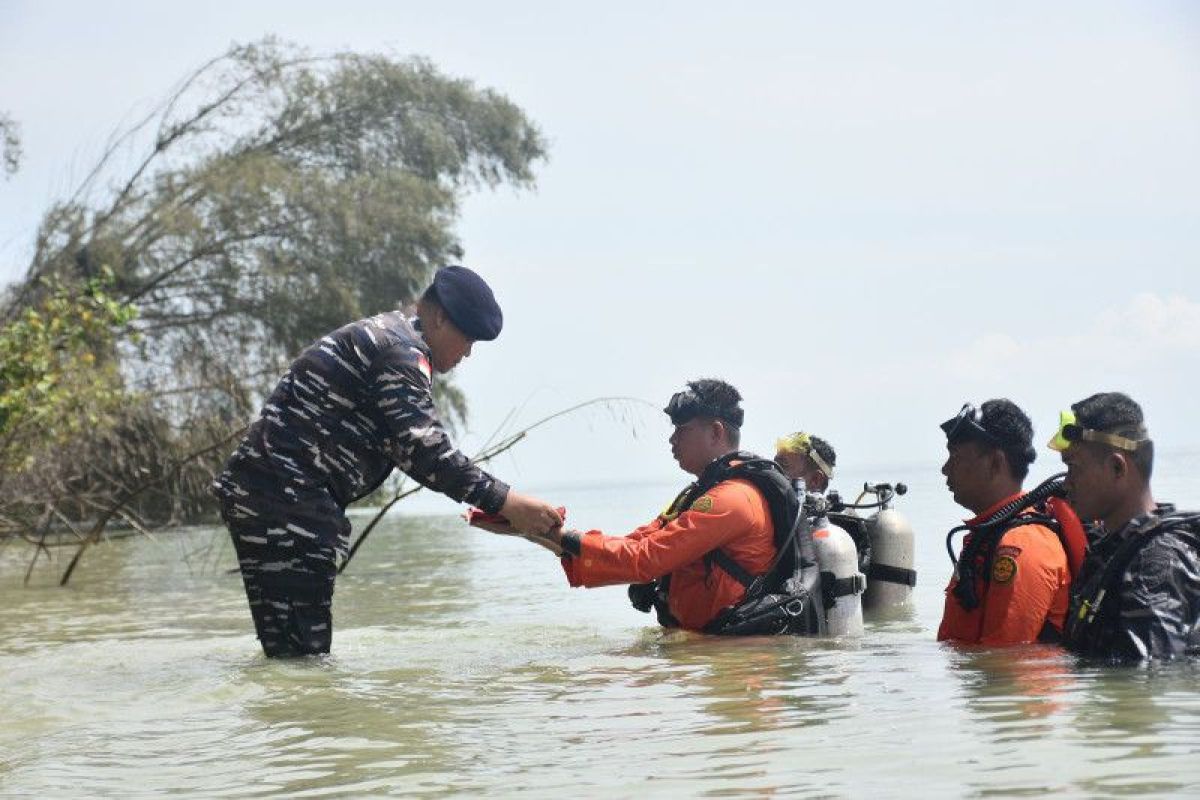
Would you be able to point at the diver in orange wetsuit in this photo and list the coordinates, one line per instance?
(692, 561)
(1019, 580)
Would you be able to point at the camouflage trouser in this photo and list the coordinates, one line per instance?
(288, 560)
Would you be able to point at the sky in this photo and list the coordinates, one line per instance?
(862, 215)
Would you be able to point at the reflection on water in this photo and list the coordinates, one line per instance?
(463, 665)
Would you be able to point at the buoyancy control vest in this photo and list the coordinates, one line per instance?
(1089, 620)
(794, 551)
(1044, 505)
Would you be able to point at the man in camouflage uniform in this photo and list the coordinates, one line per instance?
(354, 405)
(1137, 596)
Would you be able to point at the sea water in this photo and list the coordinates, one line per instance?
(464, 665)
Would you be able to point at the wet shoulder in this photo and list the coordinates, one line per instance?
(737, 497)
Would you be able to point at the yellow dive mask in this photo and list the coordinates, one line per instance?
(802, 443)
(1070, 431)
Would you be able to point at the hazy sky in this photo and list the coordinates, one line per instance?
(860, 214)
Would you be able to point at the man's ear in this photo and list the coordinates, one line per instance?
(998, 463)
(1118, 465)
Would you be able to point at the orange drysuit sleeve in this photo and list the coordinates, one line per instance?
(732, 510)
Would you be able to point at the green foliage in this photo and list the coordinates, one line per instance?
(57, 375)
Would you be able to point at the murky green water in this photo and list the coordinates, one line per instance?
(463, 665)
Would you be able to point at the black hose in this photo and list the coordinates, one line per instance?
(1051, 487)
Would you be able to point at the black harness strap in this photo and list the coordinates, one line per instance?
(725, 562)
(890, 574)
(832, 588)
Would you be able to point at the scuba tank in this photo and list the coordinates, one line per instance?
(809, 573)
(842, 585)
(891, 579)
(885, 544)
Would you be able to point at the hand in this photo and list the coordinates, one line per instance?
(550, 541)
(530, 516)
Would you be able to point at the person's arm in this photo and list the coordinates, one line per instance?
(1157, 607)
(420, 446)
(601, 560)
(1029, 574)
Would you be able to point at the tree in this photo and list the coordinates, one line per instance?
(274, 195)
(57, 377)
(283, 195)
(10, 145)
(59, 386)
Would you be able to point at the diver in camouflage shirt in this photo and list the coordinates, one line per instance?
(353, 406)
(1137, 595)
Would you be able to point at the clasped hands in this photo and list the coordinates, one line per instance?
(529, 518)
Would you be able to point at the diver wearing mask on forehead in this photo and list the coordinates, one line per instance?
(698, 559)
(1012, 577)
(1137, 596)
(805, 457)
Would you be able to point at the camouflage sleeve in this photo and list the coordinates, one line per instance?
(417, 442)
(1158, 604)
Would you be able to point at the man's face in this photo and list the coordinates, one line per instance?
(447, 344)
(1090, 482)
(967, 474)
(798, 465)
(693, 444)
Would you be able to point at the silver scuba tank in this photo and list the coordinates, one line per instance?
(885, 545)
(891, 577)
(842, 585)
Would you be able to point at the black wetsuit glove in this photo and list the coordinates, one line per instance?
(641, 596)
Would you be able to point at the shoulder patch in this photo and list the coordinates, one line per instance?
(424, 366)
(1004, 569)
(1008, 550)
(703, 504)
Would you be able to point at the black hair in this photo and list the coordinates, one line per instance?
(718, 394)
(1011, 431)
(824, 450)
(1115, 412)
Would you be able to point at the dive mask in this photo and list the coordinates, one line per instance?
(968, 421)
(1070, 431)
(802, 443)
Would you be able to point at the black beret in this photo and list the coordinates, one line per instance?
(470, 303)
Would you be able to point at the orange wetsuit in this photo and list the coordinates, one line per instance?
(1029, 586)
(732, 516)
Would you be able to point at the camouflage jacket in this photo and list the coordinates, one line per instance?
(1137, 595)
(355, 404)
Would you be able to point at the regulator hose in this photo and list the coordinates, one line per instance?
(1051, 487)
